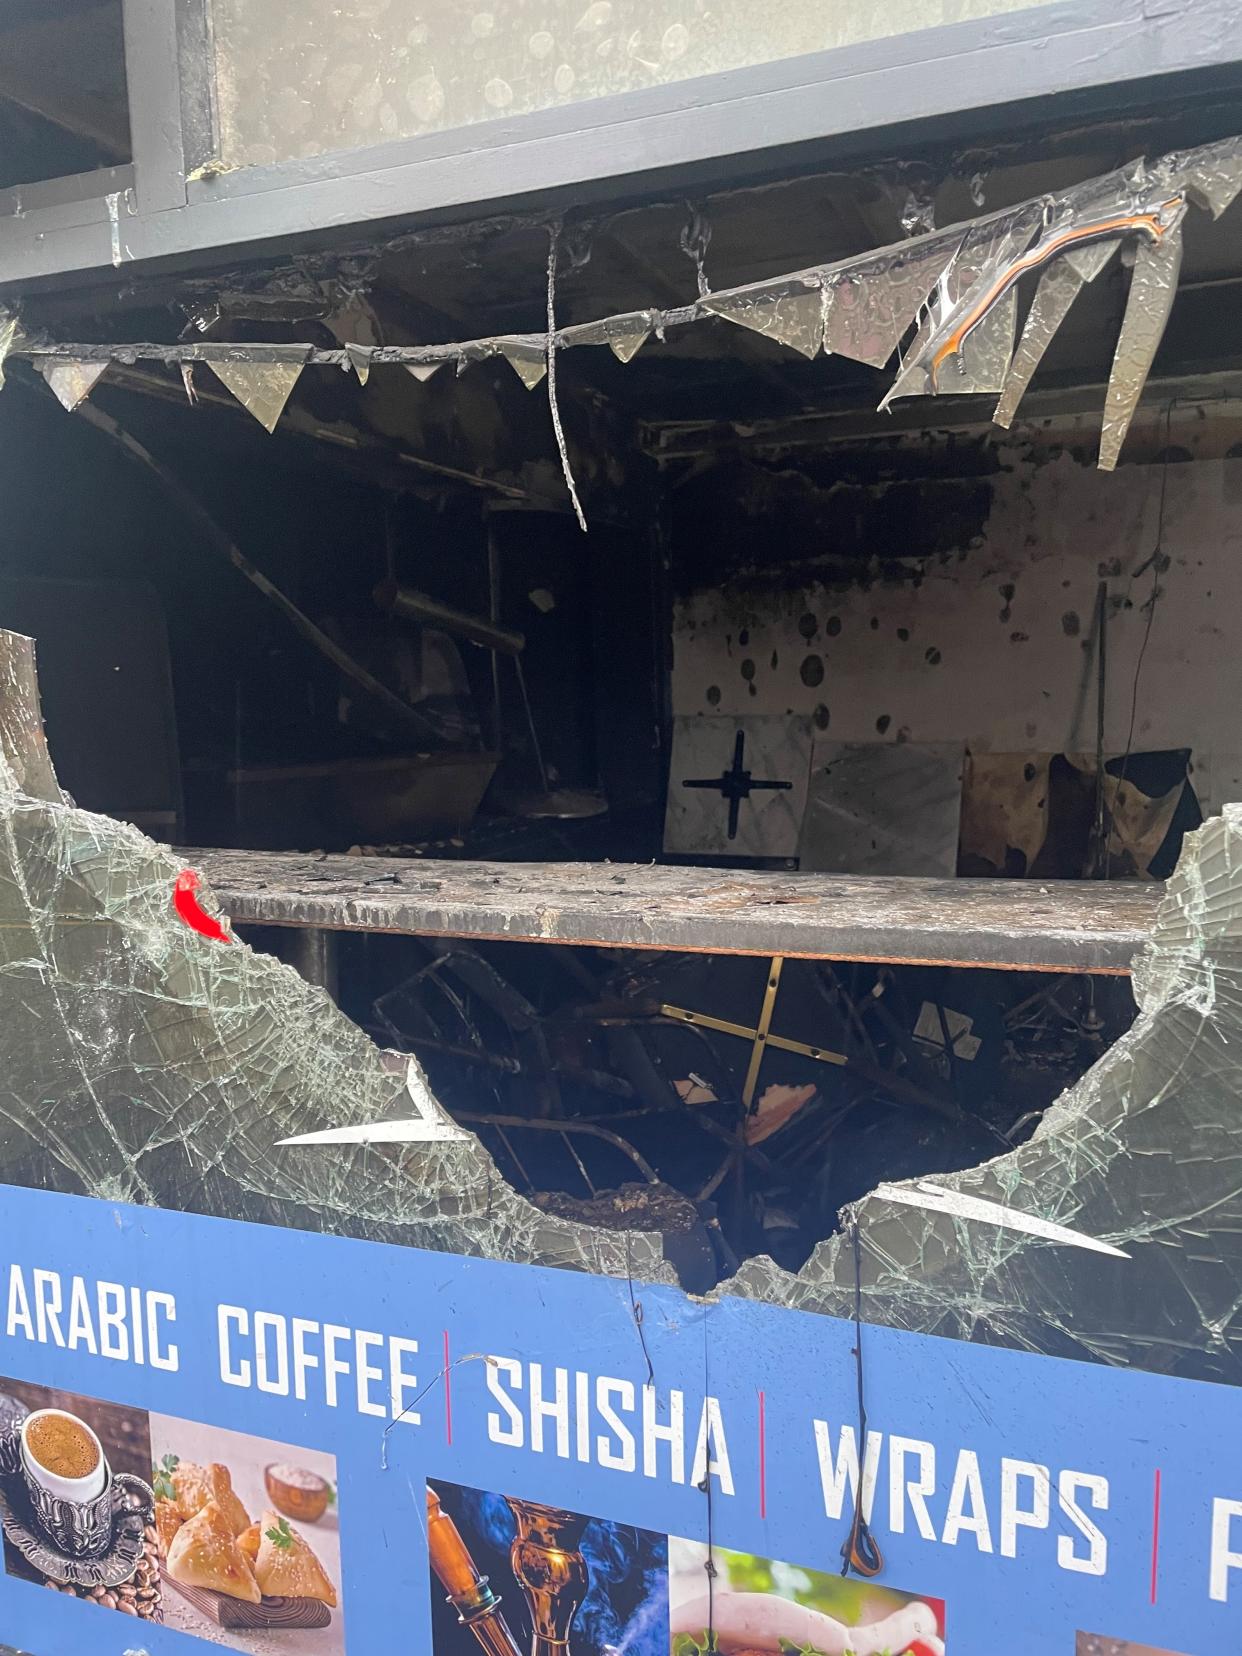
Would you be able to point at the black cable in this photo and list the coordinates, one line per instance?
(860, 1551)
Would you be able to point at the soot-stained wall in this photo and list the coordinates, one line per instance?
(940, 608)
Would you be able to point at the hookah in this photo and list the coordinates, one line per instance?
(548, 1565)
(477, 1607)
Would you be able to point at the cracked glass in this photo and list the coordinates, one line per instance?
(1139, 1154)
(146, 1063)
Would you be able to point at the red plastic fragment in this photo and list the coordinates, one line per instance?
(188, 907)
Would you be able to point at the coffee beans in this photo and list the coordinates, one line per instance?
(140, 1596)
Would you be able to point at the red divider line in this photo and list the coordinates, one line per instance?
(448, 1392)
(1155, 1536)
(763, 1462)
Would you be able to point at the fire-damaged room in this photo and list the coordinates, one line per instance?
(719, 676)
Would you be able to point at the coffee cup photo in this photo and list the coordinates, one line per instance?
(62, 1455)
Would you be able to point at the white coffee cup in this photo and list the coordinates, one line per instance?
(79, 1490)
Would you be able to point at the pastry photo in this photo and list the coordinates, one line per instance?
(248, 1539)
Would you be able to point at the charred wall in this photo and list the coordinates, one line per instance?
(949, 593)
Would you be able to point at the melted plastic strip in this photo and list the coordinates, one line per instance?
(1130, 204)
(1213, 176)
(987, 350)
(359, 358)
(262, 388)
(8, 337)
(72, 381)
(1059, 285)
(1152, 289)
(627, 346)
(529, 362)
(625, 335)
(793, 319)
(869, 309)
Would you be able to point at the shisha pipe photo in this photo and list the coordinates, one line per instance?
(548, 1564)
(477, 1607)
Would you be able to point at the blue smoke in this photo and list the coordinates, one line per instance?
(625, 1611)
(489, 1516)
(626, 1607)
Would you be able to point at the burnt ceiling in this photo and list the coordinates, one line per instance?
(489, 277)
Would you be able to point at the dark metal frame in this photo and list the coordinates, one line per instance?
(174, 206)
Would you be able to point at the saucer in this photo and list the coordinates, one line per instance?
(133, 1507)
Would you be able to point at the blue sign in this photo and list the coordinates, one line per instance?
(278, 1441)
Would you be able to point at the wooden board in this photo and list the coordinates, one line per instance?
(1068, 926)
(270, 1613)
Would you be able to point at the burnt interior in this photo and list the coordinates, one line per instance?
(537, 661)
(598, 1105)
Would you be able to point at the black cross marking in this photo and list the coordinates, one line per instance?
(736, 783)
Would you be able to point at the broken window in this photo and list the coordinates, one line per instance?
(741, 895)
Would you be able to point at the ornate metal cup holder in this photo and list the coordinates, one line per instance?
(133, 1503)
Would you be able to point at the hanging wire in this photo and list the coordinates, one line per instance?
(554, 236)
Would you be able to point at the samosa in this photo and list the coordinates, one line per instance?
(204, 1553)
(286, 1567)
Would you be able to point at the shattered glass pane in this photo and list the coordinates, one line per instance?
(1138, 1154)
(1059, 285)
(146, 1063)
(795, 319)
(24, 760)
(1152, 289)
(263, 388)
(72, 381)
